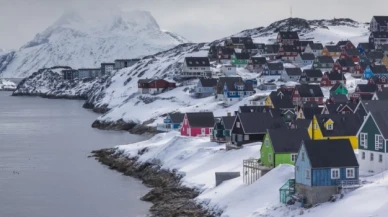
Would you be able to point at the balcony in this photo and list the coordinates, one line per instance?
(346, 184)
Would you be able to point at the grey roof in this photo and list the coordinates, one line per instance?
(303, 43)
(340, 98)
(335, 76)
(384, 47)
(330, 153)
(316, 46)
(343, 43)
(226, 50)
(289, 48)
(144, 81)
(200, 119)
(309, 112)
(381, 20)
(382, 95)
(228, 121)
(379, 111)
(259, 60)
(344, 124)
(301, 123)
(177, 117)
(208, 82)
(223, 80)
(309, 90)
(242, 56)
(127, 60)
(366, 97)
(379, 34)
(367, 88)
(272, 48)
(232, 85)
(285, 140)
(336, 108)
(289, 35)
(275, 66)
(280, 100)
(346, 62)
(353, 52)
(307, 56)
(293, 71)
(312, 73)
(366, 46)
(197, 61)
(333, 48)
(325, 59)
(379, 69)
(241, 40)
(249, 109)
(107, 64)
(375, 55)
(258, 123)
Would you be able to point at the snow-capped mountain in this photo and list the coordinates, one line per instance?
(79, 41)
(119, 94)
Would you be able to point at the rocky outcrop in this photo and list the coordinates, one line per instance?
(168, 196)
(117, 125)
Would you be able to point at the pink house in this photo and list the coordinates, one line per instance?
(197, 124)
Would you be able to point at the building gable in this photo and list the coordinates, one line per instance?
(370, 128)
(302, 166)
(267, 153)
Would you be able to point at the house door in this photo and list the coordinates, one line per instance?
(203, 131)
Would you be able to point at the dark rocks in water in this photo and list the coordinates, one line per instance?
(117, 125)
(168, 196)
(48, 96)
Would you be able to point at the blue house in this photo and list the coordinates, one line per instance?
(365, 47)
(172, 121)
(323, 168)
(205, 87)
(236, 91)
(375, 70)
(367, 73)
(253, 81)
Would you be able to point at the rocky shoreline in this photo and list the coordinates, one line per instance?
(51, 96)
(168, 196)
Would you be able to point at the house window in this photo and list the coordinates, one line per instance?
(307, 174)
(371, 156)
(363, 155)
(293, 157)
(378, 142)
(364, 140)
(316, 126)
(246, 137)
(302, 156)
(349, 173)
(335, 173)
(238, 124)
(380, 158)
(239, 138)
(270, 157)
(330, 126)
(316, 99)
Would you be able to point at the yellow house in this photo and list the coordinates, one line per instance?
(332, 50)
(268, 102)
(384, 61)
(335, 126)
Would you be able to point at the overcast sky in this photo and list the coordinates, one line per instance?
(196, 20)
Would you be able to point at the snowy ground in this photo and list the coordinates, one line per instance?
(8, 85)
(198, 159)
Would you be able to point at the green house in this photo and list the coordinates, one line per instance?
(280, 146)
(222, 128)
(323, 63)
(240, 60)
(338, 89)
(373, 138)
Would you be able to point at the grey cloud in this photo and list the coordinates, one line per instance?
(199, 20)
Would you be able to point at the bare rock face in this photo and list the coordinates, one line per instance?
(168, 196)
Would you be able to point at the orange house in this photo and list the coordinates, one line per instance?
(332, 50)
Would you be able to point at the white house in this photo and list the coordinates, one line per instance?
(258, 101)
(228, 69)
(196, 67)
(315, 48)
(379, 24)
(305, 59)
(291, 74)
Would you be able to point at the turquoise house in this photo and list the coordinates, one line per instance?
(367, 73)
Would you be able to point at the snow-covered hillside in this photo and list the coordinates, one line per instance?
(119, 93)
(79, 41)
(198, 160)
(7, 85)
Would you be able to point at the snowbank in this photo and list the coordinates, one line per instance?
(7, 85)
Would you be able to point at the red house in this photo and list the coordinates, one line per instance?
(288, 52)
(353, 54)
(331, 78)
(225, 53)
(344, 65)
(380, 81)
(346, 45)
(363, 90)
(154, 86)
(287, 37)
(198, 124)
(359, 69)
(307, 93)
